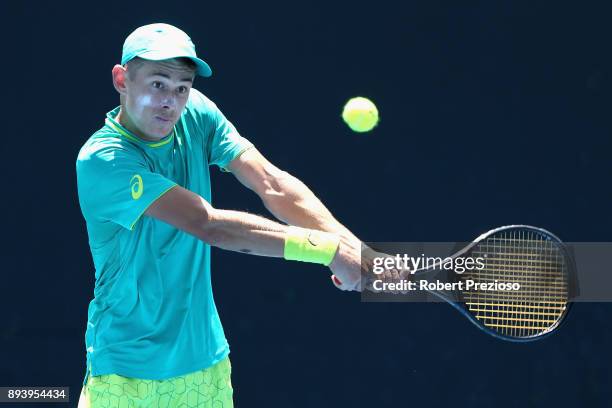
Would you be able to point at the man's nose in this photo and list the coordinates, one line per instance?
(168, 101)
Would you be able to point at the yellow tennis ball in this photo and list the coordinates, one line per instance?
(360, 114)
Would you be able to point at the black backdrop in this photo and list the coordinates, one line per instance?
(492, 113)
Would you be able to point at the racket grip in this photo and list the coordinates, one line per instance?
(336, 281)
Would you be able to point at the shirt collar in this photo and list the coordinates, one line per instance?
(117, 127)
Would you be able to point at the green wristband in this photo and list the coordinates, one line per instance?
(311, 246)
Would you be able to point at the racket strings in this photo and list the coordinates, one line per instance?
(534, 262)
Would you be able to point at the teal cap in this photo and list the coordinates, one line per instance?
(159, 41)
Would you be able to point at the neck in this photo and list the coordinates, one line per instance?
(124, 120)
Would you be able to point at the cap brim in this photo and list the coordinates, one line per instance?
(202, 68)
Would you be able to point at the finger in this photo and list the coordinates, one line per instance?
(366, 265)
(393, 276)
(405, 273)
(385, 277)
(395, 279)
(401, 279)
(404, 278)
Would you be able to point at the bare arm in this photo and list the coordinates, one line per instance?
(226, 229)
(240, 231)
(285, 196)
(291, 201)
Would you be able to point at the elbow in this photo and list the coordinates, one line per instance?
(202, 223)
(210, 228)
(277, 187)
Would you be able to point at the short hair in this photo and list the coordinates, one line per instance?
(136, 63)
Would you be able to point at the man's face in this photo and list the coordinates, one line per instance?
(156, 95)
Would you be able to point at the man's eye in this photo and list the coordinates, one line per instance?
(157, 84)
(182, 89)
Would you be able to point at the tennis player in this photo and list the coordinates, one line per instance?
(153, 335)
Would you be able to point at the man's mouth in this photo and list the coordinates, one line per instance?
(163, 119)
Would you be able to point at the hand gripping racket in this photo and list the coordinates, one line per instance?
(532, 257)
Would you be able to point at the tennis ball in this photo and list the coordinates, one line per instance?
(360, 114)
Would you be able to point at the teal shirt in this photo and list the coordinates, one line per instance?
(153, 315)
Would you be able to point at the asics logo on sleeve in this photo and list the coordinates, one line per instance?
(137, 186)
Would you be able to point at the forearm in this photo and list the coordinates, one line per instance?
(243, 232)
(240, 231)
(251, 234)
(291, 201)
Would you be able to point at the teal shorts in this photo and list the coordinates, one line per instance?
(211, 387)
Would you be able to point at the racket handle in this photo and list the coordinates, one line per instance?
(336, 281)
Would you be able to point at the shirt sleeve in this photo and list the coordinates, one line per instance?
(115, 184)
(223, 142)
(227, 144)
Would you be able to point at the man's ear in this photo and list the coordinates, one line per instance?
(120, 78)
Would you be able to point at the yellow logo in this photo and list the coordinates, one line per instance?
(137, 186)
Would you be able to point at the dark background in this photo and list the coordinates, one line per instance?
(493, 113)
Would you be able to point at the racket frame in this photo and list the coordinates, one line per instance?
(461, 306)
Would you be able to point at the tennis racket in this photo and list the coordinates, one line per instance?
(532, 257)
